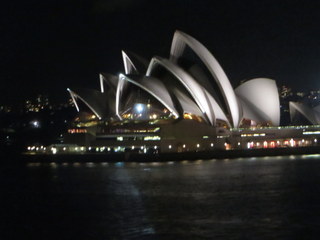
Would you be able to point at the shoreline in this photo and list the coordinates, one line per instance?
(162, 157)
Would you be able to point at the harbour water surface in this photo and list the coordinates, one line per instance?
(247, 198)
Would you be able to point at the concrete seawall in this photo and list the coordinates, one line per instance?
(135, 157)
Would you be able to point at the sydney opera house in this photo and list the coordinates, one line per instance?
(181, 103)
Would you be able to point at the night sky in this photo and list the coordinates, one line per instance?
(47, 46)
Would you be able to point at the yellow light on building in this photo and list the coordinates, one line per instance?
(187, 116)
(152, 138)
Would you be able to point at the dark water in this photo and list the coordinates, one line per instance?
(249, 198)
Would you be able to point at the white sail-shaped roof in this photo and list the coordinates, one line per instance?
(180, 41)
(155, 88)
(133, 63)
(187, 104)
(219, 114)
(198, 93)
(260, 100)
(191, 81)
(108, 82)
(95, 101)
(129, 67)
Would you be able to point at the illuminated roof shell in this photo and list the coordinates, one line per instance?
(108, 82)
(134, 64)
(207, 104)
(154, 87)
(95, 100)
(210, 96)
(260, 100)
(179, 42)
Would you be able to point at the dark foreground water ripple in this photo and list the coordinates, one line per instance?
(249, 198)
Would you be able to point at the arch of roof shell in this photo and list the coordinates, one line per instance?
(129, 67)
(93, 99)
(219, 114)
(175, 100)
(187, 104)
(119, 93)
(108, 82)
(155, 88)
(179, 42)
(108, 86)
(260, 100)
(195, 90)
(133, 63)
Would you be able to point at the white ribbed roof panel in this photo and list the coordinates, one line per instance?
(219, 114)
(189, 83)
(129, 67)
(108, 79)
(155, 88)
(180, 40)
(260, 100)
(94, 100)
(187, 104)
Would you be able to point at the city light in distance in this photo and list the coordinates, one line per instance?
(35, 124)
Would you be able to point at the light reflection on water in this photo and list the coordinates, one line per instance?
(244, 198)
(310, 156)
(163, 163)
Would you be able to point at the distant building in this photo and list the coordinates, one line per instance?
(41, 102)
